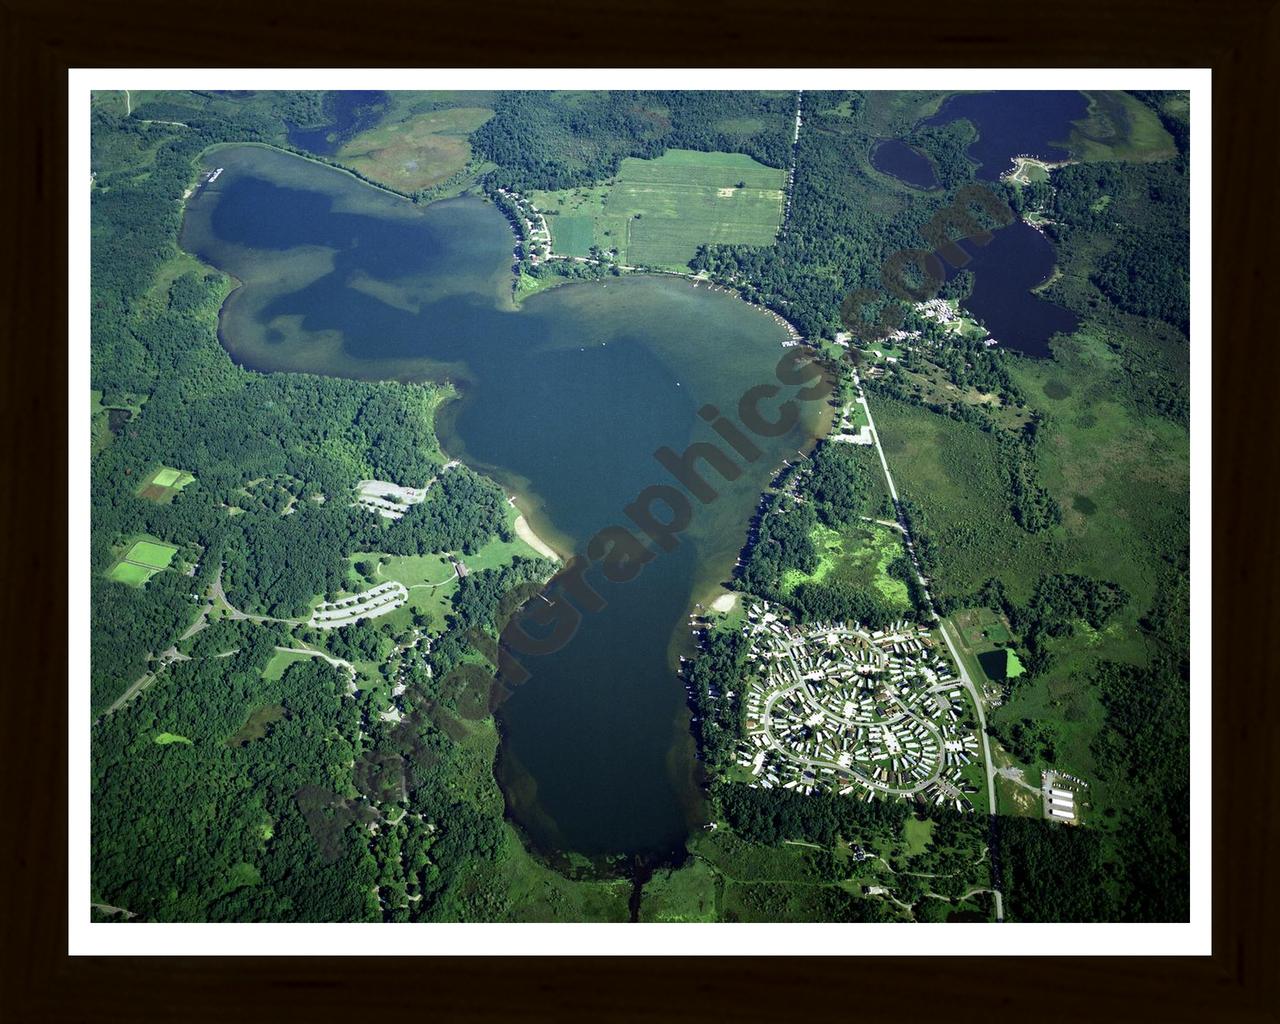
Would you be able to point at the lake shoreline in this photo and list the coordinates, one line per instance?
(525, 532)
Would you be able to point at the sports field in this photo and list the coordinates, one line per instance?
(164, 483)
(657, 212)
(142, 561)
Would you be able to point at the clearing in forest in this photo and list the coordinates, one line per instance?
(143, 560)
(164, 483)
(657, 212)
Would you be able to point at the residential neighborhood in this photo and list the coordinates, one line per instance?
(865, 712)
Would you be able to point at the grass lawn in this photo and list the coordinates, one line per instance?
(134, 575)
(527, 285)
(280, 662)
(431, 579)
(151, 553)
(165, 738)
(143, 560)
(918, 835)
(657, 212)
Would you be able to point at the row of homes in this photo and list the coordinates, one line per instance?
(833, 706)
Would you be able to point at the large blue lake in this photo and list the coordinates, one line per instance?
(564, 401)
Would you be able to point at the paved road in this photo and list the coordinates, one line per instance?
(955, 654)
(311, 652)
(167, 658)
(986, 743)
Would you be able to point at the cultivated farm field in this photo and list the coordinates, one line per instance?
(657, 212)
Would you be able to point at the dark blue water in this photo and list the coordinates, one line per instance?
(1017, 259)
(896, 158)
(1014, 123)
(353, 110)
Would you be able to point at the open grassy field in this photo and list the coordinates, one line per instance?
(979, 627)
(151, 553)
(416, 153)
(134, 575)
(143, 560)
(657, 212)
(99, 423)
(860, 554)
(1120, 127)
(684, 894)
(918, 833)
(280, 662)
(431, 579)
(1121, 480)
(164, 483)
(968, 655)
(1120, 477)
(952, 472)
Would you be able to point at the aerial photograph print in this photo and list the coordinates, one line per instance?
(638, 506)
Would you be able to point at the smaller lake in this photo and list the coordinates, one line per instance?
(1017, 259)
(1014, 123)
(906, 163)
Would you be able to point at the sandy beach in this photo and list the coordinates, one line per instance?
(525, 532)
(724, 603)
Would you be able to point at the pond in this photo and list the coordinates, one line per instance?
(906, 163)
(1018, 259)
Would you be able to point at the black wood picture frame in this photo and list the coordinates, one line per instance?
(41, 40)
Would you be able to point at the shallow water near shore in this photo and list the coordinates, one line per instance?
(564, 401)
